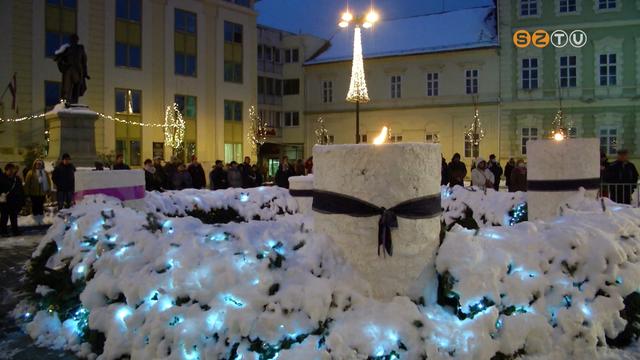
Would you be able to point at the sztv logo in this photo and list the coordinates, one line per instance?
(542, 39)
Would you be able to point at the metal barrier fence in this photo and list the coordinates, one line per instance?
(626, 193)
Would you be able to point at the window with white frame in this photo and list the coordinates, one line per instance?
(471, 81)
(609, 140)
(432, 137)
(608, 69)
(607, 4)
(327, 91)
(530, 73)
(568, 71)
(567, 6)
(471, 147)
(396, 86)
(291, 119)
(572, 132)
(395, 138)
(433, 84)
(526, 134)
(528, 7)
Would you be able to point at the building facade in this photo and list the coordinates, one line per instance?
(143, 55)
(598, 84)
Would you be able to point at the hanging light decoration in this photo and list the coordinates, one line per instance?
(258, 130)
(559, 131)
(322, 134)
(475, 133)
(174, 127)
(358, 92)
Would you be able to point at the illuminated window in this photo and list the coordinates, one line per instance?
(233, 39)
(187, 105)
(471, 150)
(185, 43)
(60, 23)
(129, 137)
(129, 33)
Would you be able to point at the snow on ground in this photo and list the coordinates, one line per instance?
(175, 288)
(489, 208)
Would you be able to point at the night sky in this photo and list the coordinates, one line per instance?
(320, 17)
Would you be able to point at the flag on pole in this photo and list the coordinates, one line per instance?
(14, 89)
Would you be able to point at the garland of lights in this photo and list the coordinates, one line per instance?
(358, 88)
(322, 134)
(257, 133)
(475, 133)
(174, 127)
(559, 131)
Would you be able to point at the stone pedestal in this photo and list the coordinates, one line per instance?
(384, 175)
(556, 170)
(301, 188)
(72, 131)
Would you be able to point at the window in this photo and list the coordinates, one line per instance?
(432, 84)
(291, 87)
(568, 71)
(233, 39)
(128, 33)
(526, 135)
(52, 94)
(471, 81)
(185, 42)
(607, 4)
(232, 110)
(60, 23)
(187, 105)
(528, 7)
(567, 6)
(327, 91)
(291, 56)
(609, 140)
(395, 138)
(396, 86)
(432, 138)
(530, 73)
(129, 137)
(572, 132)
(233, 152)
(364, 138)
(291, 119)
(471, 150)
(608, 67)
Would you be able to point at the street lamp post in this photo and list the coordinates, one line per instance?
(358, 92)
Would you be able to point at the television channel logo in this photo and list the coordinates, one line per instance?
(541, 38)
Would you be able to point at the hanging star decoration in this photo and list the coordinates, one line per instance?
(174, 127)
(475, 132)
(322, 134)
(358, 88)
(258, 129)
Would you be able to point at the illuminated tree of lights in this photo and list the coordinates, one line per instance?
(174, 127)
(322, 134)
(475, 133)
(358, 92)
(257, 134)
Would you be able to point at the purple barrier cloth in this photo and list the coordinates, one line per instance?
(122, 193)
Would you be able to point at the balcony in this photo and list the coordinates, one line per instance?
(271, 67)
(264, 99)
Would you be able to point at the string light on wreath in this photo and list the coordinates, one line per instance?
(174, 127)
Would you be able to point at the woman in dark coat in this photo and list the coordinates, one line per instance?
(519, 177)
(457, 171)
(11, 201)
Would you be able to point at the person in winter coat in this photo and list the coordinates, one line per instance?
(197, 173)
(518, 177)
(308, 165)
(150, 180)
(457, 171)
(624, 173)
(234, 176)
(11, 199)
(299, 168)
(37, 185)
(119, 164)
(481, 176)
(182, 179)
(258, 179)
(171, 169)
(507, 171)
(161, 176)
(63, 177)
(444, 172)
(285, 171)
(496, 169)
(218, 177)
(248, 176)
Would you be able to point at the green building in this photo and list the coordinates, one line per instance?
(598, 84)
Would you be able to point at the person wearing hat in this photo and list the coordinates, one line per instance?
(624, 175)
(481, 176)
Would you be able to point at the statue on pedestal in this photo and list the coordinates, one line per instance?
(72, 63)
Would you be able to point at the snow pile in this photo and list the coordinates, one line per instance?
(174, 288)
(263, 203)
(488, 208)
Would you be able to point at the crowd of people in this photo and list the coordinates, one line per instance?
(485, 174)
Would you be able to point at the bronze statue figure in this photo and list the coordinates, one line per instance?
(72, 63)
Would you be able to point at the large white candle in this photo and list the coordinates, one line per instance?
(383, 175)
(300, 188)
(558, 168)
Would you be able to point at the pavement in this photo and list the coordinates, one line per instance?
(15, 344)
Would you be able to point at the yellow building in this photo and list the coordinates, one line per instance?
(143, 55)
(424, 88)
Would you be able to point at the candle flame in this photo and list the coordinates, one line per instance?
(382, 138)
(558, 136)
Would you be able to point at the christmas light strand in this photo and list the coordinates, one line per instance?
(322, 134)
(358, 88)
(174, 127)
(258, 130)
(559, 131)
(21, 119)
(475, 133)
